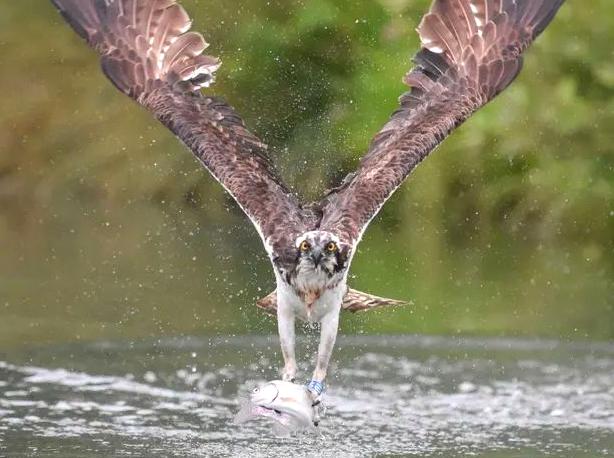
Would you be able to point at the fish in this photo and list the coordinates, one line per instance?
(289, 406)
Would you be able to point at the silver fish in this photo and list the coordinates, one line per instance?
(287, 404)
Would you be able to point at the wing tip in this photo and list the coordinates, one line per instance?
(547, 18)
(81, 16)
(162, 49)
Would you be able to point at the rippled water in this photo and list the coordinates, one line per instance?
(387, 396)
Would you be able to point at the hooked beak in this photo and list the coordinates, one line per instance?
(316, 257)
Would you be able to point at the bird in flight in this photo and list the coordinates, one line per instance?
(471, 50)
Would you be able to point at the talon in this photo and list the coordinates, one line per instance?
(316, 416)
(289, 375)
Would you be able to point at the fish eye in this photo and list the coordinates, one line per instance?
(305, 246)
(331, 247)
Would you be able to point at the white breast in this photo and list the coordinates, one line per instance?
(312, 280)
(327, 299)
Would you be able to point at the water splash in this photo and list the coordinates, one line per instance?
(406, 395)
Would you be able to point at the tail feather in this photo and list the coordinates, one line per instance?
(353, 301)
(356, 301)
(269, 303)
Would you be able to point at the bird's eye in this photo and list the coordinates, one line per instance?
(331, 247)
(305, 246)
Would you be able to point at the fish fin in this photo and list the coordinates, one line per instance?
(280, 430)
(245, 413)
(355, 301)
(269, 303)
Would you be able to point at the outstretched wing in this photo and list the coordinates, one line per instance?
(148, 52)
(471, 51)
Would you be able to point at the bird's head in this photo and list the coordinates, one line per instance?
(321, 250)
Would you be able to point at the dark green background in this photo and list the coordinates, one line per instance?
(110, 229)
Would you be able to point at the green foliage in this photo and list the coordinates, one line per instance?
(508, 228)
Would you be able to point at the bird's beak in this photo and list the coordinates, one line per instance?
(317, 257)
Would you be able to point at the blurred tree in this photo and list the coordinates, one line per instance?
(516, 208)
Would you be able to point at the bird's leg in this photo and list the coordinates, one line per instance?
(285, 326)
(328, 336)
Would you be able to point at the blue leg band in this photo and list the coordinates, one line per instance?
(316, 387)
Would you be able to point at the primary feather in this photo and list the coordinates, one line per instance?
(148, 52)
(471, 51)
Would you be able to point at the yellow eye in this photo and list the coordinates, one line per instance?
(331, 247)
(305, 246)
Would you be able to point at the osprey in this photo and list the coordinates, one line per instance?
(471, 51)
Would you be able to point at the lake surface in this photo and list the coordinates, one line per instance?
(401, 396)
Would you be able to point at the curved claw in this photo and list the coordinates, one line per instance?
(316, 416)
(316, 403)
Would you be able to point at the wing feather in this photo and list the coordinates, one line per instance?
(471, 51)
(148, 52)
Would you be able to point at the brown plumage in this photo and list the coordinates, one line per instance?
(353, 301)
(471, 51)
(149, 54)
